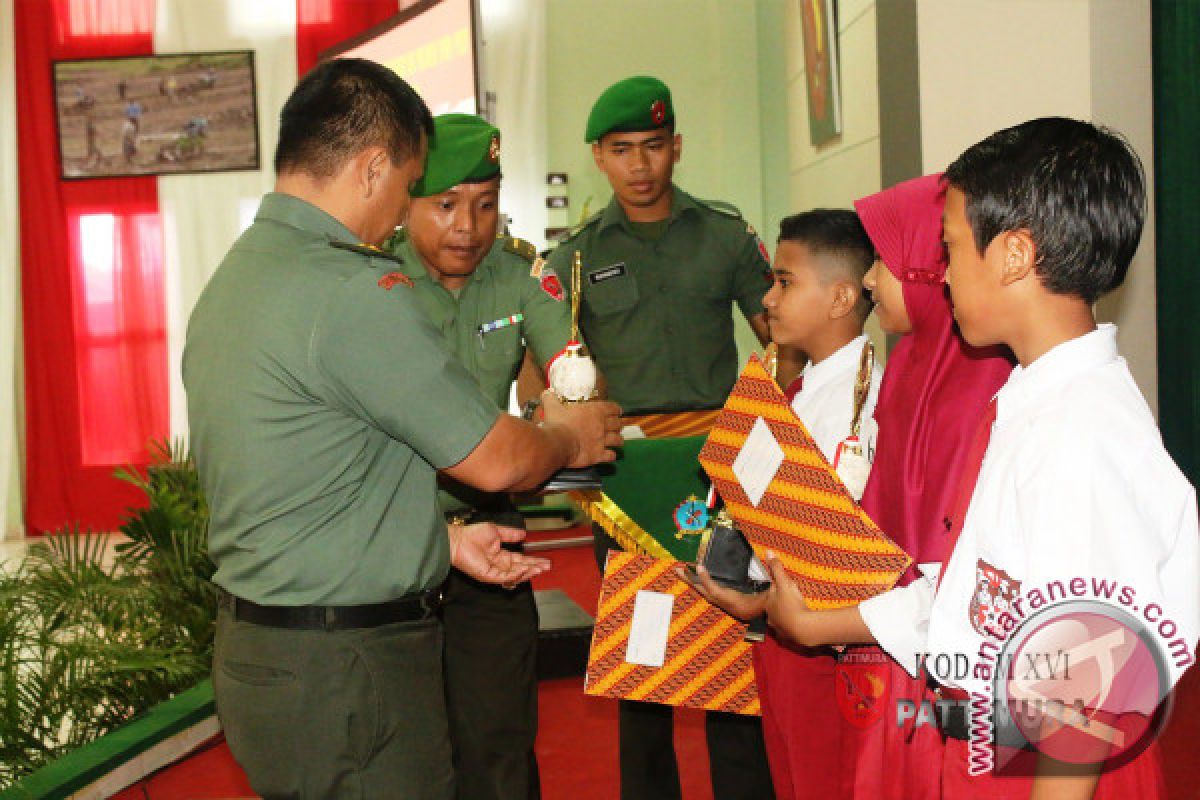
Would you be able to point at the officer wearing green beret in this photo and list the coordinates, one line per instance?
(492, 298)
(661, 274)
(322, 403)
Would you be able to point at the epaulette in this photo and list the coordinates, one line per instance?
(398, 237)
(721, 208)
(520, 247)
(368, 250)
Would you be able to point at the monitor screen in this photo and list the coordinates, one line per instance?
(432, 46)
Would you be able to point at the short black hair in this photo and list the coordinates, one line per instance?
(342, 106)
(837, 235)
(1079, 190)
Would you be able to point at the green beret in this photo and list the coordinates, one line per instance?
(464, 148)
(640, 103)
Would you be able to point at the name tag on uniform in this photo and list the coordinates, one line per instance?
(605, 273)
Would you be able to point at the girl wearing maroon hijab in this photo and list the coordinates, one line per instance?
(935, 388)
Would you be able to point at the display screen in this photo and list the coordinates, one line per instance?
(432, 46)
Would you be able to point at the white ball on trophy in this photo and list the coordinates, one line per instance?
(572, 374)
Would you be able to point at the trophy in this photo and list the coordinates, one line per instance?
(572, 373)
(730, 560)
(572, 378)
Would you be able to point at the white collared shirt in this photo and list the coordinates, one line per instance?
(825, 402)
(1075, 484)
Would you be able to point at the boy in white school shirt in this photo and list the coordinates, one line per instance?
(1076, 498)
(816, 305)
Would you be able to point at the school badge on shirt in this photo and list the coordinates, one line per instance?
(994, 594)
(862, 683)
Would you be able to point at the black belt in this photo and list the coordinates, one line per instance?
(409, 608)
(953, 720)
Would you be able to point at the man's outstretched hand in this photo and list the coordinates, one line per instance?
(477, 550)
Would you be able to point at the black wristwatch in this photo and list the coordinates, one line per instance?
(529, 409)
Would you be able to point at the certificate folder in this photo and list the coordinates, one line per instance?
(658, 641)
(786, 497)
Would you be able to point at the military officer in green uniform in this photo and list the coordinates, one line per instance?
(492, 299)
(322, 403)
(661, 273)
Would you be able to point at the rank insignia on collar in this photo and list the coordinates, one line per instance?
(392, 278)
(539, 264)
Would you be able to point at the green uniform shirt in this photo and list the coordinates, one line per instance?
(657, 314)
(321, 401)
(509, 281)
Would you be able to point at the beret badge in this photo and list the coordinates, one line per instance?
(658, 112)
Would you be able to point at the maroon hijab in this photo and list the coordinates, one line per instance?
(935, 386)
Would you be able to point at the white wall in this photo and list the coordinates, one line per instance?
(513, 67)
(11, 422)
(835, 174)
(989, 64)
(1123, 98)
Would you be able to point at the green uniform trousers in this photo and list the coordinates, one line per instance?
(341, 714)
(737, 755)
(491, 686)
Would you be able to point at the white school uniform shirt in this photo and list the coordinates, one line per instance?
(1075, 483)
(825, 402)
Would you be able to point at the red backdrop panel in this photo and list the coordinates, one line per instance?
(321, 24)
(91, 275)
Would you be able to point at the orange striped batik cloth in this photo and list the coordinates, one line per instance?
(837, 554)
(672, 424)
(706, 664)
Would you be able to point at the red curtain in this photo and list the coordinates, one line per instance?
(91, 275)
(321, 24)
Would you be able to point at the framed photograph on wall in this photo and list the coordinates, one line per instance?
(156, 115)
(821, 69)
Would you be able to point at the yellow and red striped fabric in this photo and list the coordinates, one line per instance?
(837, 554)
(678, 423)
(707, 663)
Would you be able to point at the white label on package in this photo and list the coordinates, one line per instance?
(760, 459)
(649, 628)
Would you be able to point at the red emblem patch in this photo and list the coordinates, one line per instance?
(862, 686)
(392, 278)
(762, 248)
(994, 594)
(658, 112)
(551, 285)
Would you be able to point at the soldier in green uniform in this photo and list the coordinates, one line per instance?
(661, 274)
(492, 298)
(321, 402)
